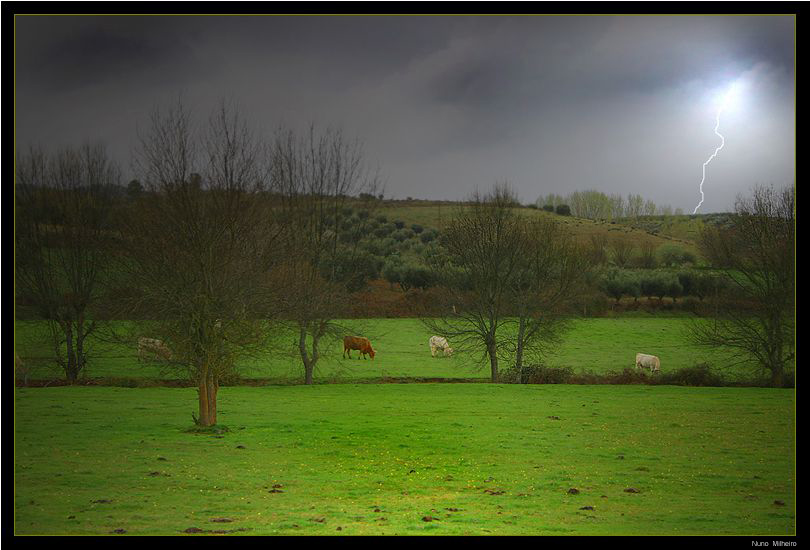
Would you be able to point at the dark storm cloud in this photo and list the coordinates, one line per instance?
(93, 56)
(61, 53)
(444, 104)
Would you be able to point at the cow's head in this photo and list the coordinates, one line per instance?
(448, 351)
(372, 353)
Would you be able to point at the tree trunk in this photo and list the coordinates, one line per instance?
(493, 360)
(79, 346)
(309, 360)
(207, 393)
(519, 353)
(776, 367)
(71, 368)
(777, 378)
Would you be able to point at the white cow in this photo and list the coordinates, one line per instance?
(439, 343)
(648, 362)
(154, 348)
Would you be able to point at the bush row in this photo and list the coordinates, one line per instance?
(617, 283)
(700, 375)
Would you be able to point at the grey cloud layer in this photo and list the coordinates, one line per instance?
(444, 104)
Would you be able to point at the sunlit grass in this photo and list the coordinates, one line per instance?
(377, 459)
(597, 345)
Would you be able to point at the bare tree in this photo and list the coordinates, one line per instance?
(485, 245)
(552, 270)
(623, 250)
(198, 244)
(756, 258)
(598, 248)
(647, 258)
(318, 176)
(63, 224)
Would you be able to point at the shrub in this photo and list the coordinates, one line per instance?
(399, 224)
(673, 255)
(630, 375)
(646, 258)
(537, 374)
(691, 305)
(656, 283)
(623, 250)
(388, 246)
(597, 250)
(391, 270)
(417, 228)
(707, 284)
(674, 288)
(427, 236)
(632, 285)
(697, 375)
(416, 276)
(382, 219)
(548, 208)
(563, 210)
(374, 247)
(617, 283)
(687, 280)
(383, 231)
(611, 285)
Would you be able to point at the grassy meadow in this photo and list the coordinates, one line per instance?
(407, 459)
(597, 345)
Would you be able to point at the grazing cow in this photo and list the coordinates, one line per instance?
(154, 348)
(363, 345)
(439, 343)
(648, 362)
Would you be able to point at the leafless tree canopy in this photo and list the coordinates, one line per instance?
(64, 206)
(199, 243)
(501, 269)
(315, 176)
(757, 257)
(552, 271)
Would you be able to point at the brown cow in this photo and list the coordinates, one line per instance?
(363, 345)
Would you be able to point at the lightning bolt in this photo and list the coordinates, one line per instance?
(722, 142)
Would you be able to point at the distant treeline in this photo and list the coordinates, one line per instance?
(596, 205)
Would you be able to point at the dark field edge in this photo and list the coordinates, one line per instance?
(259, 382)
(173, 383)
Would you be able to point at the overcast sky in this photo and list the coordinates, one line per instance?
(445, 104)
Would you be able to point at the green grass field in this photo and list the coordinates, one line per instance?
(598, 345)
(349, 459)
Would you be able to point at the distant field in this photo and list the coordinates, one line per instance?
(598, 345)
(658, 230)
(408, 459)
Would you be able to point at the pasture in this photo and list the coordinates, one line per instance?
(403, 351)
(407, 459)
